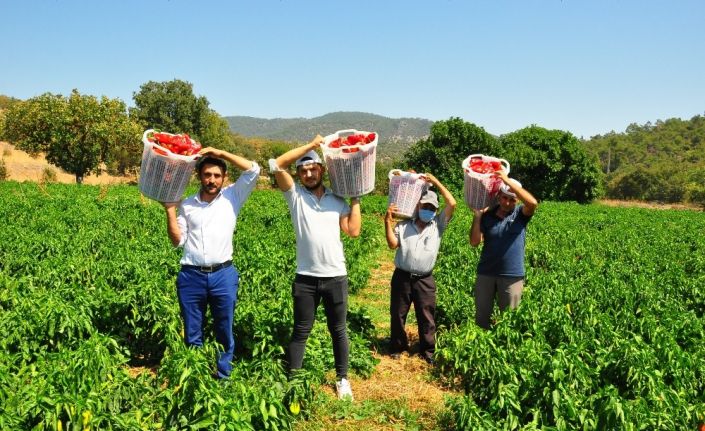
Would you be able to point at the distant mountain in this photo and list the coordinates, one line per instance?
(395, 134)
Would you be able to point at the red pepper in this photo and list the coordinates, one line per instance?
(484, 167)
(176, 144)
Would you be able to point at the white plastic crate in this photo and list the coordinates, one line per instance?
(405, 190)
(163, 174)
(351, 169)
(481, 190)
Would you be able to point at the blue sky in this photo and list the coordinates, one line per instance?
(588, 67)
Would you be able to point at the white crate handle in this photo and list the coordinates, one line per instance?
(151, 144)
(399, 172)
(346, 132)
(503, 162)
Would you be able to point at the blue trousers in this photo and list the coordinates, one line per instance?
(196, 291)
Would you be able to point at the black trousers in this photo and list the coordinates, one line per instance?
(308, 292)
(408, 289)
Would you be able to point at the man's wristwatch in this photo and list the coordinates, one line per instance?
(273, 167)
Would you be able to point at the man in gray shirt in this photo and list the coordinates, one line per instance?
(417, 242)
(318, 217)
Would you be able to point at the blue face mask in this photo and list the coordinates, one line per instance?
(426, 215)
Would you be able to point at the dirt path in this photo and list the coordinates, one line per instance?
(397, 386)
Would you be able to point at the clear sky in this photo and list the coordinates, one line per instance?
(585, 66)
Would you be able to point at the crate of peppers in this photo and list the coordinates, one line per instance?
(350, 157)
(168, 161)
(480, 185)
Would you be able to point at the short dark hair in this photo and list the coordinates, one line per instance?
(211, 161)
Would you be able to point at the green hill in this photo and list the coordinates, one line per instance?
(662, 161)
(395, 134)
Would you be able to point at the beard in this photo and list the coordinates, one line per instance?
(315, 186)
(206, 189)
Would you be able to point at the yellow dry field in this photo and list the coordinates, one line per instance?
(23, 167)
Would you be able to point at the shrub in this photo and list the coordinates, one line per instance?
(3, 170)
(49, 175)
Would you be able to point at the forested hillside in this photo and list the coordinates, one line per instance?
(396, 134)
(662, 161)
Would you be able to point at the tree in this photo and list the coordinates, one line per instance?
(443, 151)
(172, 107)
(215, 131)
(7, 101)
(665, 150)
(552, 164)
(634, 184)
(77, 134)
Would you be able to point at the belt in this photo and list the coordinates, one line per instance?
(209, 268)
(414, 274)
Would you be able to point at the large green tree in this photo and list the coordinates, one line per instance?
(7, 101)
(448, 144)
(79, 133)
(173, 107)
(653, 161)
(552, 164)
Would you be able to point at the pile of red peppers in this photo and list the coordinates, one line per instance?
(484, 167)
(176, 144)
(352, 140)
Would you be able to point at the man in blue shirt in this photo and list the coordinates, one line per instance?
(500, 271)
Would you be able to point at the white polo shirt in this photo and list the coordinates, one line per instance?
(207, 227)
(418, 250)
(319, 250)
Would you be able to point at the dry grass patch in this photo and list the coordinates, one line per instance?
(23, 167)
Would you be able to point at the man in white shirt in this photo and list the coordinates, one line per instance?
(318, 216)
(204, 227)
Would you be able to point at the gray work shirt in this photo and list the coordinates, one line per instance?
(319, 250)
(418, 250)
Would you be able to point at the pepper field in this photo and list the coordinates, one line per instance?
(609, 334)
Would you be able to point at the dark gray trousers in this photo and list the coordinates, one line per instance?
(408, 289)
(308, 292)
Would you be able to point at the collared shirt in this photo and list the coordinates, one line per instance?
(207, 227)
(504, 241)
(418, 249)
(319, 250)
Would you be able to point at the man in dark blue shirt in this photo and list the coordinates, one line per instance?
(500, 271)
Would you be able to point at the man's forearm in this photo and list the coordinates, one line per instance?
(286, 159)
(172, 226)
(237, 161)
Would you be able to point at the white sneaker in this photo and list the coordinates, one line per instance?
(343, 389)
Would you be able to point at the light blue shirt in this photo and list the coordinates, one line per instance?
(418, 249)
